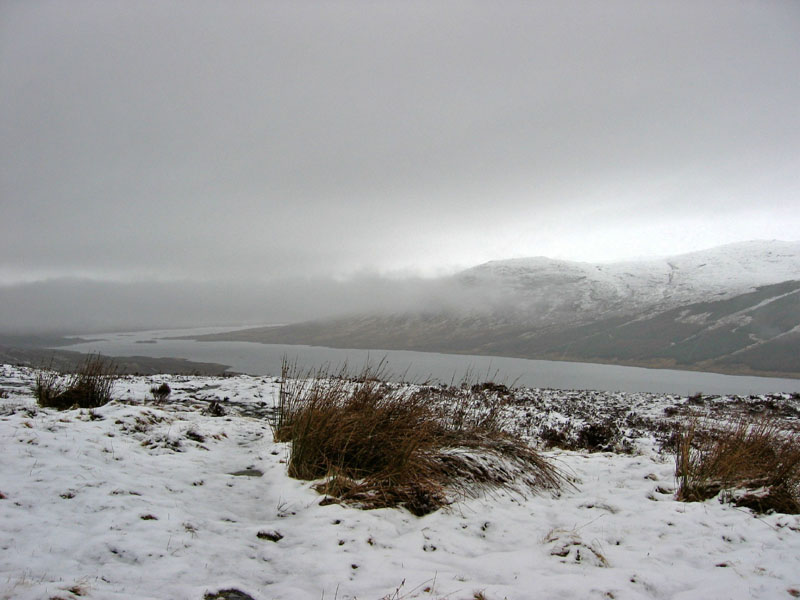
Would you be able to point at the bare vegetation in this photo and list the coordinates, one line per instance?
(90, 386)
(375, 444)
(755, 464)
(160, 392)
(603, 436)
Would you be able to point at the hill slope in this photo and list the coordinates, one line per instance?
(735, 308)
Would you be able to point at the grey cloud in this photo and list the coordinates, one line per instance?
(265, 140)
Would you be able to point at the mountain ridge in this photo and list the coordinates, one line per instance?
(734, 309)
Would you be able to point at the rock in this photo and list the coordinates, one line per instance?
(231, 594)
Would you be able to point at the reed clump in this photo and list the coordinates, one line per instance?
(754, 464)
(89, 386)
(376, 444)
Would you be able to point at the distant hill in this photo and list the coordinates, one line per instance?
(734, 308)
(39, 351)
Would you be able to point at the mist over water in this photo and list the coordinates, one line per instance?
(74, 306)
(266, 359)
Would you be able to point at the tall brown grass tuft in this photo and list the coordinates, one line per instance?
(377, 444)
(90, 386)
(752, 463)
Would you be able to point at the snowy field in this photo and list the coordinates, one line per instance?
(178, 501)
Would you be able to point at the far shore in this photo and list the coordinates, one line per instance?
(65, 360)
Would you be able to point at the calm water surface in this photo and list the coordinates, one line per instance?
(265, 359)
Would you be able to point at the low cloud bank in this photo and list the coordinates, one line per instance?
(85, 306)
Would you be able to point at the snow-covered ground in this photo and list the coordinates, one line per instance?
(134, 500)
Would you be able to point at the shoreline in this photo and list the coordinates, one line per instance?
(126, 365)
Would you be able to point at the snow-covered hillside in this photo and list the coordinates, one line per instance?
(139, 501)
(597, 289)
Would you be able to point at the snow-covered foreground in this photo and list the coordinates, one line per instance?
(133, 500)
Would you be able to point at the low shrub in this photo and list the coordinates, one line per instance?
(750, 463)
(90, 386)
(491, 386)
(376, 444)
(696, 399)
(601, 436)
(160, 392)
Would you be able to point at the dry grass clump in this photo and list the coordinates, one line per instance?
(89, 386)
(755, 464)
(160, 392)
(376, 444)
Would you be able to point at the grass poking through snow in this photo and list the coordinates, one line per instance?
(755, 464)
(374, 444)
(89, 386)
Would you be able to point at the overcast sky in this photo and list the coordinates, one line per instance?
(162, 140)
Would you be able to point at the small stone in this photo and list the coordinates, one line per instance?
(249, 472)
(230, 594)
(272, 536)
